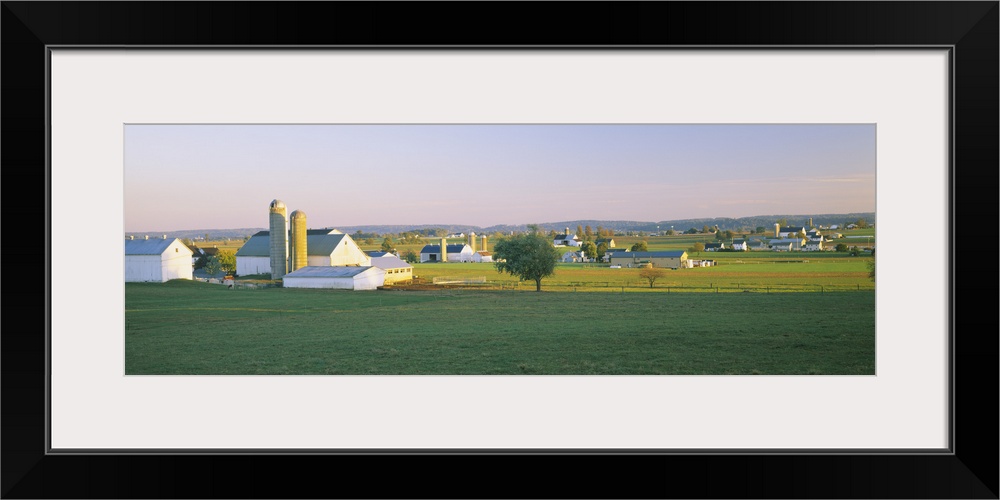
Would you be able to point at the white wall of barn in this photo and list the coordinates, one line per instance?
(143, 268)
(176, 265)
(253, 265)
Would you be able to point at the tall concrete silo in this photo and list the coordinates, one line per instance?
(444, 249)
(484, 244)
(278, 237)
(777, 230)
(298, 252)
(472, 240)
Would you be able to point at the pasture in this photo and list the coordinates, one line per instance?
(763, 272)
(194, 328)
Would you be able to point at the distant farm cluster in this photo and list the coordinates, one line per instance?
(299, 257)
(287, 251)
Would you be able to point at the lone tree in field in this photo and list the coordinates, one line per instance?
(651, 274)
(529, 256)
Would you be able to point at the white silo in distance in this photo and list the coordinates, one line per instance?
(278, 230)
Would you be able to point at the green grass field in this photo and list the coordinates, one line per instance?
(735, 272)
(184, 327)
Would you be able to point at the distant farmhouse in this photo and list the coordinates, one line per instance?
(714, 247)
(158, 260)
(786, 244)
(668, 259)
(608, 242)
(788, 232)
(566, 240)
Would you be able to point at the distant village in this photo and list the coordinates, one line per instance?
(328, 258)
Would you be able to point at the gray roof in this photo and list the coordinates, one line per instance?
(322, 244)
(391, 262)
(668, 253)
(148, 247)
(328, 271)
(378, 253)
(453, 248)
(792, 229)
(309, 232)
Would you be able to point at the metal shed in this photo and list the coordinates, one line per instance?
(340, 277)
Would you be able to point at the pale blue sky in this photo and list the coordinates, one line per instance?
(223, 176)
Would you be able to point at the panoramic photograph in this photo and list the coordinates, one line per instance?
(500, 249)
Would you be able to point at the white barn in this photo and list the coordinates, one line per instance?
(457, 252)
(157, 260)
(339, 277)
(324, 247)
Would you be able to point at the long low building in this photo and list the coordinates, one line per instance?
(396, 270)
(674, 259)
(340, 277)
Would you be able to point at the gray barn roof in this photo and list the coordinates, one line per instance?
(328, 271)
(148, 247)
(646, 255)
(321, 244)
(454, 248)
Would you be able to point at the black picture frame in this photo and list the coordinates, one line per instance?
(969, 28)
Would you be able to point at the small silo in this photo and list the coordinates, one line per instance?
(444, 249)
(297, 250)
(472, 240)
(811, 223)
(777, 230)
(278, 239)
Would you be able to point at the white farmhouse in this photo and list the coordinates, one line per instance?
(157, 260)
(482, 256)
(566, 240)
